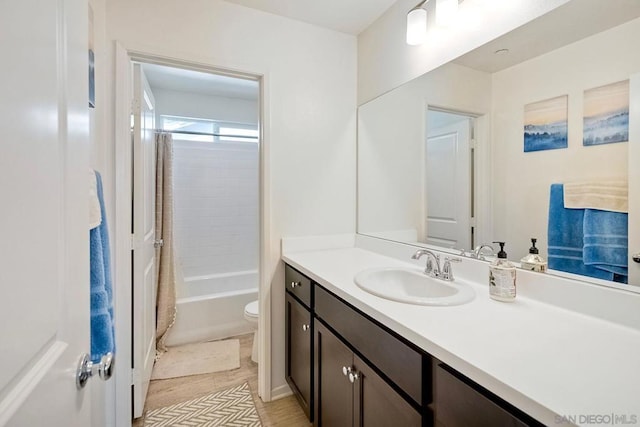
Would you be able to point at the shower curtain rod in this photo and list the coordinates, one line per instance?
(186, 132)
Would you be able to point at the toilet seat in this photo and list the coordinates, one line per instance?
(251, 309)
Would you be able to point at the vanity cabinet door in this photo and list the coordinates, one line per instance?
(351, 393)
(298, 361)
(334, 392)
(458, 404)
(376, 404)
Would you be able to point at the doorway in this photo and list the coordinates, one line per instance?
(213, 142)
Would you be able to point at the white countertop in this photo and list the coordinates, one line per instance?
(545, 360)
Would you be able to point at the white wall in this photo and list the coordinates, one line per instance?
(311, 100)
(521, 180)
(385, 61)
(391, 143)
(185, 104)
(216, 206)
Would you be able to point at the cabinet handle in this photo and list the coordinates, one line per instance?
(346, 370)
(636, 257)
(305, 328)
(294, 284)
(353, 376)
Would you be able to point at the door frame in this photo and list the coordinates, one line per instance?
(123, 56)
(481, 173)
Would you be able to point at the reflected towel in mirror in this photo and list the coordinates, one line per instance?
(566, 238)
(606, 241)
(607, 195)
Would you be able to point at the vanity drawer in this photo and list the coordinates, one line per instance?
(399, 362)
(298, 284)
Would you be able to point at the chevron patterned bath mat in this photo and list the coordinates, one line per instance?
(231, 407)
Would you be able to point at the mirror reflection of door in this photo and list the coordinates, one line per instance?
(449, 180)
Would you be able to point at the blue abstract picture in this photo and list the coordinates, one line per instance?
(545, 124)
(606, 114)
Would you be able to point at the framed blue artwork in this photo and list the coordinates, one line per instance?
(545, 124)
(606, 114)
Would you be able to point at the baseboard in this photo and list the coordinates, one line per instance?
(280, 392)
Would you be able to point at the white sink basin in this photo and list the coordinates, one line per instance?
(411, 285)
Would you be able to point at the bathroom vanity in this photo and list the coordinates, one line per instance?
(357, 359)
(351, 370)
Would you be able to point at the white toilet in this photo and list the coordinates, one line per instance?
(251, 314)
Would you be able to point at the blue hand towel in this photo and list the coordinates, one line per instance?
(605, 241)
(102, 333)
(565, 237)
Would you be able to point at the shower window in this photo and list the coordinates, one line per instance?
(205, 130)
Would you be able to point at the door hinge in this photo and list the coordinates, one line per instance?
(133, 241)
(472, 144)
(473, 222)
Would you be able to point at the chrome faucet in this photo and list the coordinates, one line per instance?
(477, 252)
(432, 270)
(429, 270)
(447, 271)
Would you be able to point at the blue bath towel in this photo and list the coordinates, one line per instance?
(605, 241)
(102, 332)
(566, 238)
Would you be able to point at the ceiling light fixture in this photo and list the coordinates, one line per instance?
(446, 11)
(417, 24)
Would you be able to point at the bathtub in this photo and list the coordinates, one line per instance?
(212, 307)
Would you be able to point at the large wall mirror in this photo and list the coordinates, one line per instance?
(442, 159)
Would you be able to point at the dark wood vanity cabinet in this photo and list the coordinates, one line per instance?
(459, 402)
(350, 393)
(347, 369)
(299, 339)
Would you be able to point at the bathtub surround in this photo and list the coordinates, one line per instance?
(216, 208)
(213, 307)
(165, 251)
(217, 237)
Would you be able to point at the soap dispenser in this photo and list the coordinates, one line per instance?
(533, 261)
(502, 277)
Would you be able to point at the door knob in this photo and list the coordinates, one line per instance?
(87, 369)
(158, 243)
(636, 257)
(294, 284)
(353, 376)
(305, 328)
(346, 370)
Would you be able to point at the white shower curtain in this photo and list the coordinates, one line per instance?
(165, 253)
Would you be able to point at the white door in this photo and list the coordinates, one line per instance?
(634, 178)
(144, 220)
(44, 244)
(449, 186)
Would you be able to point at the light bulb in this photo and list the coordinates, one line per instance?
(416, 26)
(446, 11)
